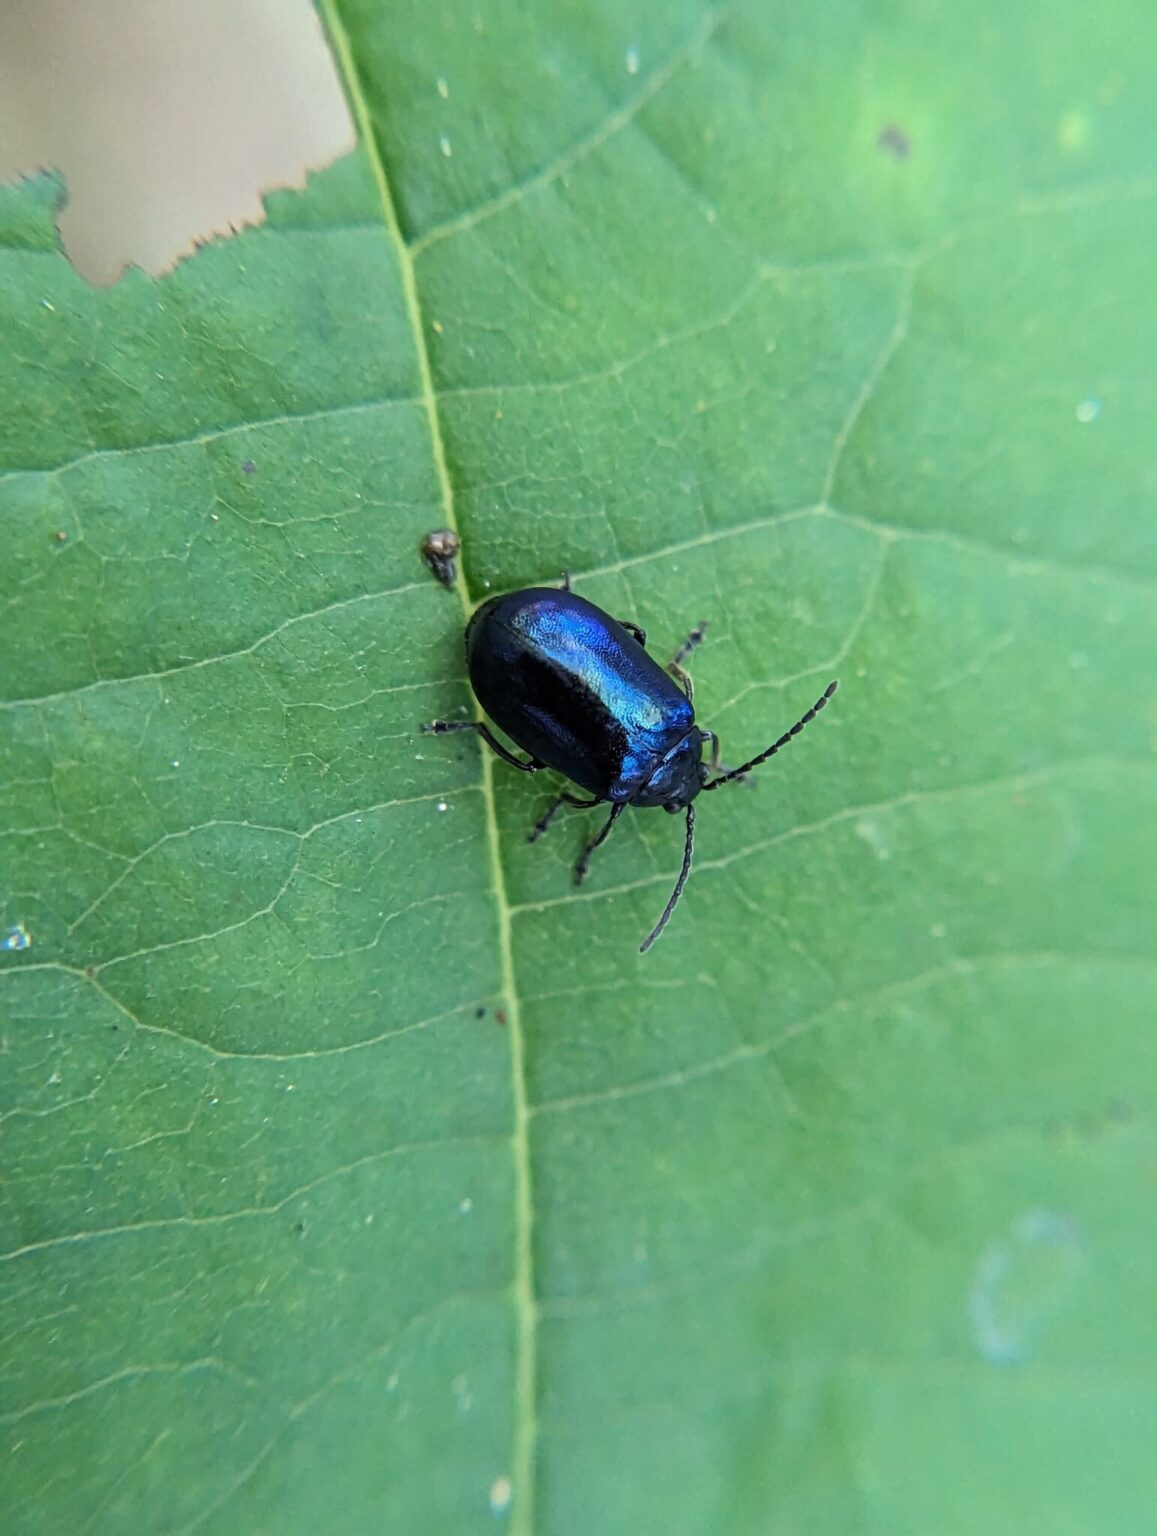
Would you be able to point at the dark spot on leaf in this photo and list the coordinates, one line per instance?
(299, 1228)
(480, 1013)
(249, 468)
(500, 1015)
(894, 140)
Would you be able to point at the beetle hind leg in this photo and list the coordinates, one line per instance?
(446, 727)
(636, 630)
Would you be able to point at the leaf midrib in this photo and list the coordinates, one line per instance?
(525, 1425)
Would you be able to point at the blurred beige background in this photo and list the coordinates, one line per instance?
(168, 117)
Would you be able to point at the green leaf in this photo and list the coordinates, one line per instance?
(359, 1175)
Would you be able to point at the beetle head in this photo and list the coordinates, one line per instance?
(677, 779)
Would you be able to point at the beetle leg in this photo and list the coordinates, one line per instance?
(683, 679)
(580, 869)
(715, 766)
(675, 665)
(545, 820)
(634, 629)
(444, 727)
(714, 740)
(566, 581)
(692, 642)
(552, 811)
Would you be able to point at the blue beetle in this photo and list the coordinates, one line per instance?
(576, 690)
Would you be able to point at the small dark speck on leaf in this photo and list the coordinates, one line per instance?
(299, 1228)
(895, 141)
(500, 1015)
(249, 468)
(480, 1013)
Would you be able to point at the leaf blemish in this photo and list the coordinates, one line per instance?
(1021, 1283)
(868, 831)
(894, 141)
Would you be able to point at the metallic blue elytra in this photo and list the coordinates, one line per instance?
(577, 691)
(574, 689)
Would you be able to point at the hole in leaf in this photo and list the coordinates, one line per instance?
(169, 118)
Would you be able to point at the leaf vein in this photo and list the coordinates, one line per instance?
(223, 656)
(584, 147)
(215, 434)
(525, 1427)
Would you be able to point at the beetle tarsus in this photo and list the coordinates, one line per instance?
(693, 641)
(444, 727)
(542, 824)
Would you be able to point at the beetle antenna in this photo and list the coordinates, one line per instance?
(679, 884)
(737, 773)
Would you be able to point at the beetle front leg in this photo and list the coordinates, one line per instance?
(714, 740)
(715, 766)
(445, 727)
(580, 869)
(675, 665)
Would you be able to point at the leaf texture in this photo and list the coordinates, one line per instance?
(359, 1174)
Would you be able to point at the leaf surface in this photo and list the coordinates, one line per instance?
(359, 1174)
